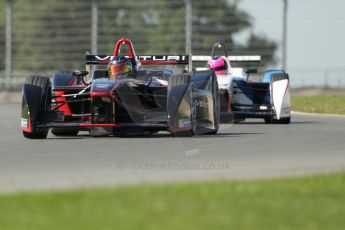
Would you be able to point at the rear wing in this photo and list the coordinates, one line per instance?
(235, 61)
(144, 59)
(136, 60)
(256, 58)
(173, 59)
(165, 59)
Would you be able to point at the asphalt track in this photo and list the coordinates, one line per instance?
(310, 144)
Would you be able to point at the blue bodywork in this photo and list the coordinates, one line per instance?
(249, 97)
(268, 74)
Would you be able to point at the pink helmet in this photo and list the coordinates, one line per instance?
(218, 65)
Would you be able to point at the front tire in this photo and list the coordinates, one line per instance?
(268, 120)
(216, 106)
(44, 83)
(182, 82)
(192, 132)
(285, 121)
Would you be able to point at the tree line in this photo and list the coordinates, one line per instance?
(50, 34)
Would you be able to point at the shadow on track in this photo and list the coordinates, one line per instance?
(305, 122)
(153, 136)
(273, 124)
(226, 135)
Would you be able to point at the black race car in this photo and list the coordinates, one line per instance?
(149, 101)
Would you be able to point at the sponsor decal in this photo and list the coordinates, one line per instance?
(102, 58)
(184, 123)
(201, 104)
(24, 123)
(163, 58)
(151, 57)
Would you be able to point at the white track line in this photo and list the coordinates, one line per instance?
(318, 114)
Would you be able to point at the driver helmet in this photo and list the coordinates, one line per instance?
(219, 65)
(119, 66)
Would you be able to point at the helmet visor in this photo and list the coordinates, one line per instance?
(116, 70)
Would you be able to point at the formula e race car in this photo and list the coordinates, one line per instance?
(145, 101)
(242, 97)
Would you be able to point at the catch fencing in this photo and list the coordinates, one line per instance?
(41, 37)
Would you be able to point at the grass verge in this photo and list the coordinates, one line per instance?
(314, 202)
(331, 104)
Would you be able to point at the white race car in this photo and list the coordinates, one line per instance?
(241, 97)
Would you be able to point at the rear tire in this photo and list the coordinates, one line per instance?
(44, 83)
(268, 120)
(285, 121)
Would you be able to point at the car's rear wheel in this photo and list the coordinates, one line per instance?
(285, 121)
(44, 83)
(268, 120)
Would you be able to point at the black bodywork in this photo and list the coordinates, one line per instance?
(251, 99)
(146, 102)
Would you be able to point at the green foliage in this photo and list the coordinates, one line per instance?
(314, 202)
(2, 34)
(258, 44)
(51, 35)
(154, 27)
(218, 24)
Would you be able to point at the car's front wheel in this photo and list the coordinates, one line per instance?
(45, 105)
